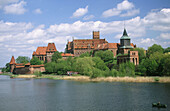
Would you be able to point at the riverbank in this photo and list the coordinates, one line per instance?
(99, 79)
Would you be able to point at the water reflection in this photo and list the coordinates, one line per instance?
(63, 95)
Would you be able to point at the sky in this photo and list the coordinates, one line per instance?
(27, 24)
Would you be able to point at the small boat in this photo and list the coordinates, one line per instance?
(158, 105)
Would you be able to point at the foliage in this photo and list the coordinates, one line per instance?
(99, 64)
(35, 61)
(167, 50)
(127, 69)
(156, 65)
(84, 65)
(156, 79)
(56, 56)
(141, 53)
(23, 59)
(86, 54)
(6, 68)
(106, 56)
(114, 72)
(51, 67)
(154, 48)
(62, 67)
(38, 73)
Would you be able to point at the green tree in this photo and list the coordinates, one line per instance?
(35, 61)
(106, 56)
(84, 66)
(23, 59)
(99, 64)
(51, 67)
(86, 54)
(127, 69)
(165, 65)
(56, 56)
(62, 67)
(167, 50)
(154, 48)
(149, 67)
(141, 53)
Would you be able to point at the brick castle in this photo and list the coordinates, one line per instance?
(79, 46)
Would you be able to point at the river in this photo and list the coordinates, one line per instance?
(64, 95)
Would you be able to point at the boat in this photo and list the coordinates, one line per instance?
(158, 105)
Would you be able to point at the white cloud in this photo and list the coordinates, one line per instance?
(165, 36)
(80, 12)
(88, 17)
(111, 12)
(37, 11)
(17, 8)
(6, 2)
(158, 20)
(125, 5)
(27, 37)
(130, 13)
(122, 7)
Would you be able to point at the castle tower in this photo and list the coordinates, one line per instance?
(50, 51)
(125, 43)
(96, 35)
(12, 64)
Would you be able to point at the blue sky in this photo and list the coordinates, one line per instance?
(27, 24)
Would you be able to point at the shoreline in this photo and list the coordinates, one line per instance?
(137, 79)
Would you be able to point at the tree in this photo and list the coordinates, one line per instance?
(62, 67)
(99, 64)
(149, 67)
(165, 65)
(86, 54)
(84, 65)
(127, 69)
(51, 67)
(35, 61)
(56, 56)
(141, 53)
(106, 56)
(6, 68)
(167, 50)
(23, 59)
(154, 48)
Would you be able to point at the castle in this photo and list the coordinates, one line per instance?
(79, 46)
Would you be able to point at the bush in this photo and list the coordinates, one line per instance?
(35, 61)
(127, 69)
(37, 73)
(156, 79)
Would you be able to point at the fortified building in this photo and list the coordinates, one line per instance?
(79, 46)
(76, 48)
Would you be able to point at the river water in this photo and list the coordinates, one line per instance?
(65, 95)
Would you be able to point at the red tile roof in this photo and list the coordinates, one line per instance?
(67, 55)
(42, 65)
(19, 66)
(112, 45)
(12, 60)
(51, 47)
(27, 64)
(40, 51)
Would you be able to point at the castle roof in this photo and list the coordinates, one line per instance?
(40, 51)
(12, 60)
(125, 35)
(51, 47)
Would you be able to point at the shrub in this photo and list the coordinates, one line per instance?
(37, 73)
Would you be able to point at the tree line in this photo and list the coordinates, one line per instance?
(154, 62)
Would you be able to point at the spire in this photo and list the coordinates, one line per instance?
(125, 33)
(12, 60)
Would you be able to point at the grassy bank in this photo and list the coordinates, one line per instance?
(98, 79)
